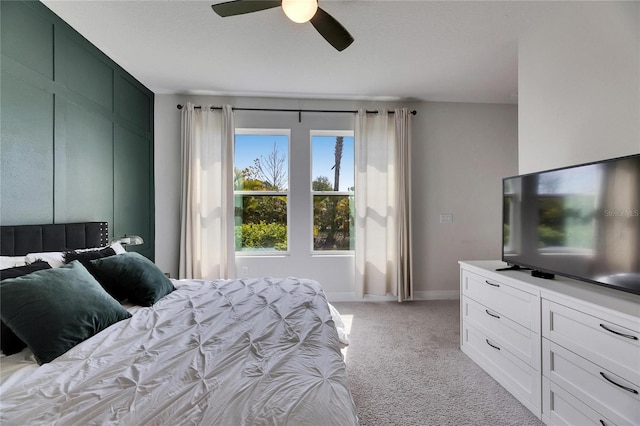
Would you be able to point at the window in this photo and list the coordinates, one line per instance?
(332, 188)
(261, 190)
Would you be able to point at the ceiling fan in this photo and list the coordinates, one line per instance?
(298, 11)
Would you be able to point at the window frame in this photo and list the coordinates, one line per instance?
(287, 193)
(330, 133)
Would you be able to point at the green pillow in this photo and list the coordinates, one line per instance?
(55, 309)
(9, 342)
(132, 276)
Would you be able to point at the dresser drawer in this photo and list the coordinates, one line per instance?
(600, 389)
(602, 342)
(505, 333)
(559, 407)
(512, 373)
(511, 302)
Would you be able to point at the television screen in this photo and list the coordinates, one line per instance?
(582, 222)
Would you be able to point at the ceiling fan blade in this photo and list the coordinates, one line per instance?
(331, 30)
(240, 7)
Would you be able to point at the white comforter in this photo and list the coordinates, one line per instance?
(244, 352)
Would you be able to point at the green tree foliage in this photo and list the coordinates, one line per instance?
(322, 183)
(261, 235)
(247, 179)
(332, 220)
(261, 208)
(332, 217)
(260, 216)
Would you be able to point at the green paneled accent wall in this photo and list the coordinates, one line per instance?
(26, 152)
(94, 80)
(76, 129)
(27, 37)
(130, 194)
(84, 164)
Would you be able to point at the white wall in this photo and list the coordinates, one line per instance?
(579, 84)
(167, 184)
(461, 151)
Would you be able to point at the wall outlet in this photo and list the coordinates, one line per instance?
(245, 271)
(446, 218)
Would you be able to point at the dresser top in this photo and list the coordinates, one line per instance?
(600, 296)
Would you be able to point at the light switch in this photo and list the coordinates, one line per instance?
(446, 218)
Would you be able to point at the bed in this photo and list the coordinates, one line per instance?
(255, 351)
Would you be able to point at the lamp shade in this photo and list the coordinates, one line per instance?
(300, 10)
(128, 240)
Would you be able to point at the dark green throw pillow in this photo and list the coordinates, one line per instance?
(55, 309)
(10, 343)
(134, 277)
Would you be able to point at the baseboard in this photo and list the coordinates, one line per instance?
(437, 295)
(351, 297)
(418, 295)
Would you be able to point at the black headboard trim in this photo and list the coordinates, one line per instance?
(19, 240)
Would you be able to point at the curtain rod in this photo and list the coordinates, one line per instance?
(414, 112)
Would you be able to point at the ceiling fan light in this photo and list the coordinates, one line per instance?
(300, 10)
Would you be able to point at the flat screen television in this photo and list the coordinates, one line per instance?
(582, 222)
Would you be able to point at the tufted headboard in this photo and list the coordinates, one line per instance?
(18, 240)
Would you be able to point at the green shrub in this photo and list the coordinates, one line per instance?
(256, 236)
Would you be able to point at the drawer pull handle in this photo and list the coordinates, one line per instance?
(492, 345)
(618, 384)
(492, 284)
(602, 422)
(628, 336)
(493, 315)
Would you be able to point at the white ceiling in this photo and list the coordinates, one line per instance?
(410, 50)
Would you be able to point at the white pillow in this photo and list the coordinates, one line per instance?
(53, 258)
(117, 247)
(340, 326)
(11, 261)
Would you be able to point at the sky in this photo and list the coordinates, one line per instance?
(250, 147)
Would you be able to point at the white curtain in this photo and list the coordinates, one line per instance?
(383, 204)
(206, 234)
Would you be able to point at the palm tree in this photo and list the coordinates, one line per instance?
(332, 207)
(338, 159)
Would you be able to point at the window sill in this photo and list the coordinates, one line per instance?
(275, 254)
(340, 253)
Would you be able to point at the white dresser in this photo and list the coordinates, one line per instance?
(568, 350)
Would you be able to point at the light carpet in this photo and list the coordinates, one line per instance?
(405, 367)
